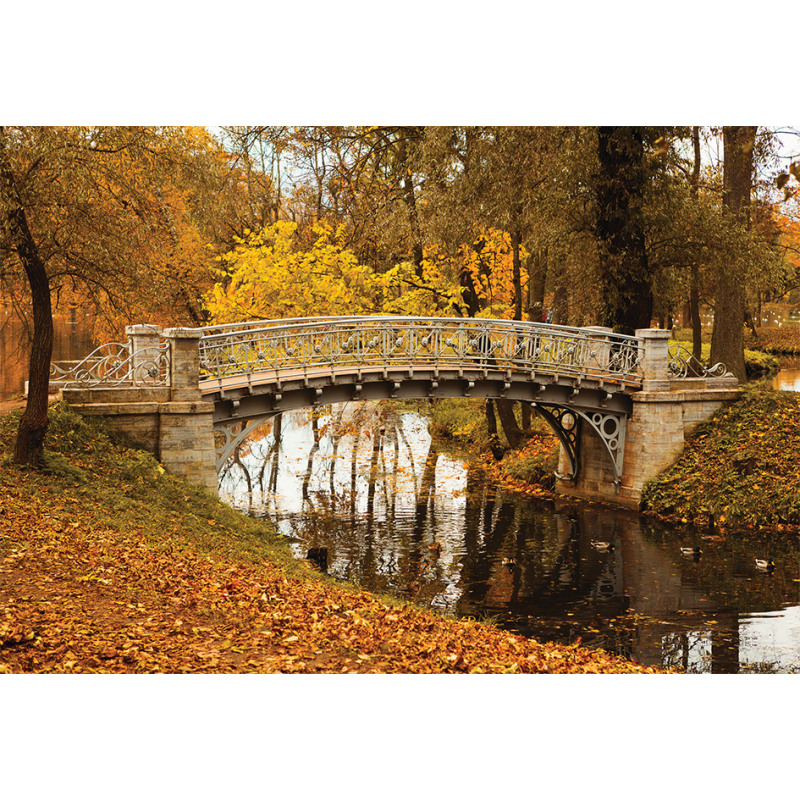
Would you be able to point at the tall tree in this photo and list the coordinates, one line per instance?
(106, 211)
(727, 338)
(17, 231)
(626, 291)
(694, 287)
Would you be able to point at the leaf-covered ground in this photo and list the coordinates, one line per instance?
(108, 564)
(741, 467)
(784, 340)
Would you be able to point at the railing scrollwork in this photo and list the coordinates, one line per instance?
(414, 342)
(683, 364)
(114, 365)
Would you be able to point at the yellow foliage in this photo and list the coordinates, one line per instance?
(271, 274)
(267, 275)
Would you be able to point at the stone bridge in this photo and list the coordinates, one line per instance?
(620, 405)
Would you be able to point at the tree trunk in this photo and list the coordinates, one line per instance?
(694, 310)
(694, 290)
(470, 294)
(727, 338)
(561, 299)
(537, 280)
(517, 271)
(410, 199)
(491, 424)
(626, 292)
(505, 410)
(527, 417)
(33, 424)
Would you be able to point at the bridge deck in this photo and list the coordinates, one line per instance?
(267, 392)
(275, 380)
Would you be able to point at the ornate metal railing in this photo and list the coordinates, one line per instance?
(334, 343)
(683, 364)
(113, 365)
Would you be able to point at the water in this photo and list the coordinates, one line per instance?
(396, 514)
(788, 377)
(72, 340)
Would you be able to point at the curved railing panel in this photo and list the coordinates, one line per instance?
(114, 365)
(683, 364)
(282, 347)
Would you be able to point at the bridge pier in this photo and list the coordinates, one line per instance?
(172, 421)
(664, 413)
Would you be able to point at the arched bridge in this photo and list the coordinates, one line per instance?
(571, 376)
(575, 378)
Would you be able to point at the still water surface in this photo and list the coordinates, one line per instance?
(398, 515)
(72, 340)
(788, 377)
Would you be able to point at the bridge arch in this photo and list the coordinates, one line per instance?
(170, 390)
(566, 410)
(573, 377)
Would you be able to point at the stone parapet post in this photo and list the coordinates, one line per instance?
(655, 359)
(173, 422)
(143, 342)
(184, 358)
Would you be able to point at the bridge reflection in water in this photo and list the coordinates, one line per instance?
(396, 515)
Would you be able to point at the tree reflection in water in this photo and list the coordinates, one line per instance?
(397, 515)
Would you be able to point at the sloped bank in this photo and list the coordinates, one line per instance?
(742, 467)
(109, 564)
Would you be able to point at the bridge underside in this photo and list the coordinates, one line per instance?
(567, 404)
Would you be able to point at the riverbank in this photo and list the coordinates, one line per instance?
(529, 469)
(739, 468)
(110, 565)
(780, 341)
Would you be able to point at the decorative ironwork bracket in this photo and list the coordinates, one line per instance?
(683, 364)
(229, 434)
(567, 425)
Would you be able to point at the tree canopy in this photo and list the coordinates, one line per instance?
(579, 225)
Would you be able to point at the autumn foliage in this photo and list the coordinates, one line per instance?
(280, 273)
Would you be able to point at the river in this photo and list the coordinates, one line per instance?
(788, 377)
(397, 514)
(72, 340)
